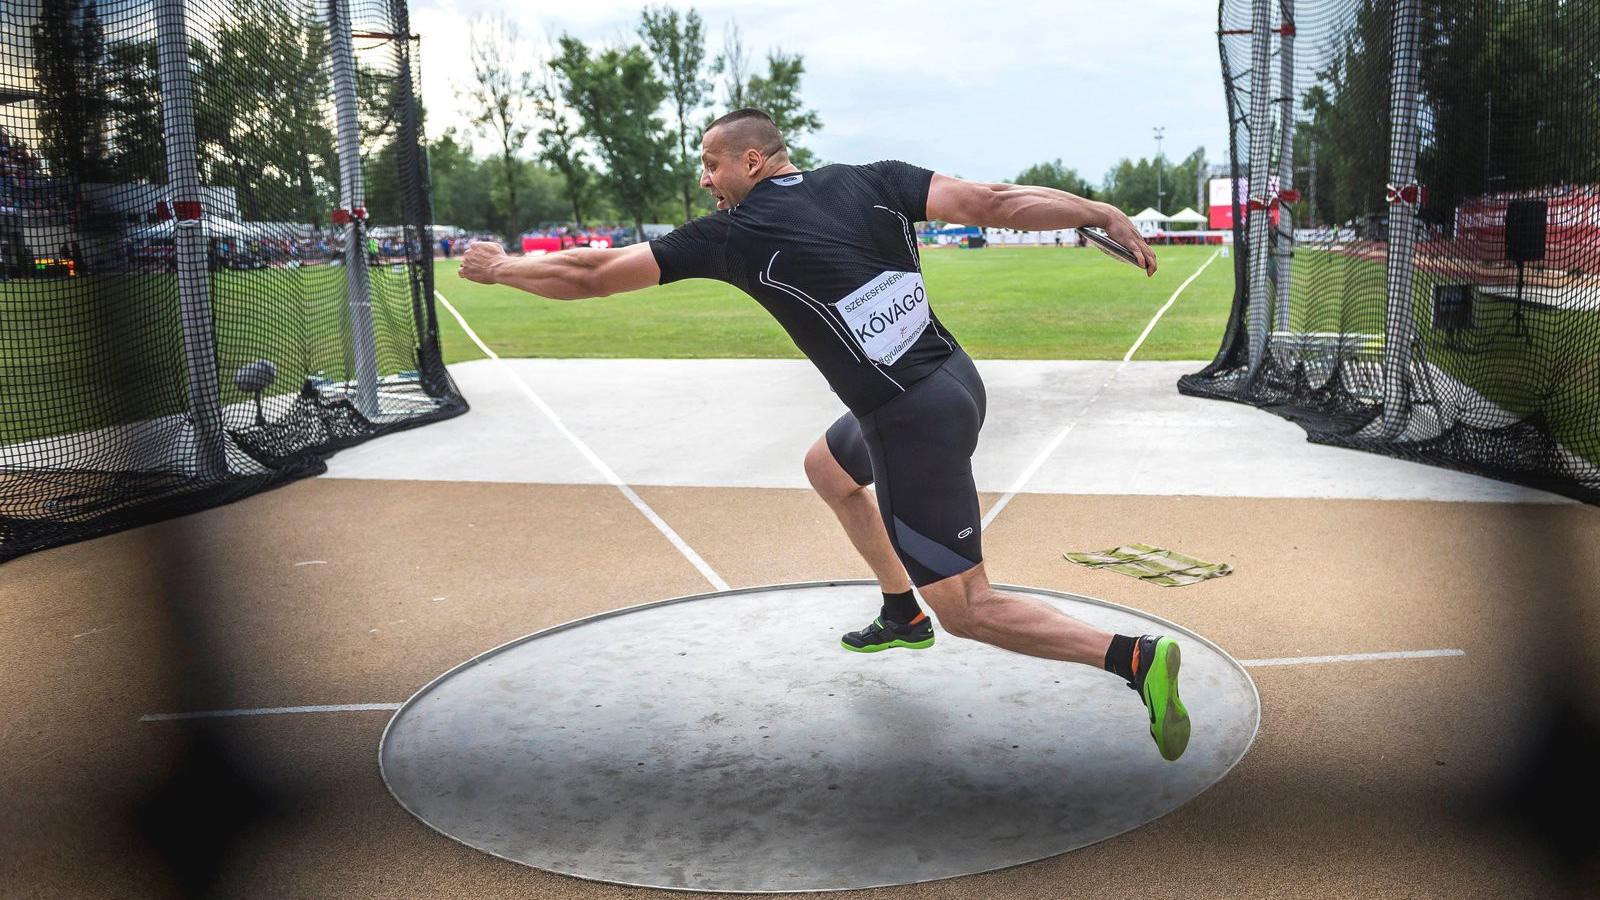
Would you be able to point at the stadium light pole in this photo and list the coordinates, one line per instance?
(351, 195)
(1160, 131)
(189, 240)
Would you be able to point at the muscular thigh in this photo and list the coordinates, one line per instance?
(921, 446)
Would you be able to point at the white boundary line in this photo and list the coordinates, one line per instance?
(1055, 442)
(1350, 657)
(1163, 311)
(272, 711)
(364, 707)
(594, 460)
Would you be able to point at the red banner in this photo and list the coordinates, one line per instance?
(1572, 225)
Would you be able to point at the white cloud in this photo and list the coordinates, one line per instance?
(977, 90)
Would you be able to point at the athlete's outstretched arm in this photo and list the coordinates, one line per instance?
(576, 274)
(1029, 208)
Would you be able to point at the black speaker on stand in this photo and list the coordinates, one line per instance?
(1525, 238)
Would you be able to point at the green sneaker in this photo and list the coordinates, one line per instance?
(1156, 679)
(883, 634)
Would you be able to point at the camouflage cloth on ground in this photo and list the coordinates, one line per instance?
(1152, 565)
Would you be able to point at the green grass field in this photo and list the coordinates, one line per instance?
(117, 354)
(1000, 302)
(119, 338)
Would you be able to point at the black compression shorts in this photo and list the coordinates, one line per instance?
(917, 449)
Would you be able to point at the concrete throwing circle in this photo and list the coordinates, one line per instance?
(726, 742)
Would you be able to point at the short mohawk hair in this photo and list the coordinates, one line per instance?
(752, 128)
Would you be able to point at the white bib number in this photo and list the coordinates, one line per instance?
(886, 315)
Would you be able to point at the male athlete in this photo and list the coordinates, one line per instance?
(832, 255)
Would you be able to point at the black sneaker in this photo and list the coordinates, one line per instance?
(883, 634)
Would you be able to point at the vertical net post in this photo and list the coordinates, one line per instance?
(1405, 197)
(1283, 247)
(351, 196)
(1260, 158)
(190, 241)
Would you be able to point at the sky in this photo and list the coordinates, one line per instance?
(973, 90)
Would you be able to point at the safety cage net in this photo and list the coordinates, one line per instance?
(215, 259)
(1415, 203)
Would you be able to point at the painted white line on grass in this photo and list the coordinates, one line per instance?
(390, 707)
(271, 711)
(1055, 442)
(594, 460)
(1163, 311)
(1048, 451)
(1350, 657)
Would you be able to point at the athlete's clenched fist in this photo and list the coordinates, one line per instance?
(479, 262)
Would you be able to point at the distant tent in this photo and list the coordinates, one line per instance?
(1186, 218)
(1149, 221)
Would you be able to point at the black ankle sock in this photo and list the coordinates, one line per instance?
(900, 608)
(1119, 658)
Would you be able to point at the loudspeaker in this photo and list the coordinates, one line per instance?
(1525, 221)
(1452, 307)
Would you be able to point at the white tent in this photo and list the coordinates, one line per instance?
(1187, 216)
(1149, 221)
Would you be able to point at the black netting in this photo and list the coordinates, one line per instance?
(1424, 275)
(190, 311)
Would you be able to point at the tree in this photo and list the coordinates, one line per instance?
(733, 65)
(777, 93)
(73, 81)
(617, 94)
(1055, 175)
(558, 143)
(500, 91)
(679, 51)
(261, 85)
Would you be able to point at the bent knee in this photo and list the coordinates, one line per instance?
(825, 474)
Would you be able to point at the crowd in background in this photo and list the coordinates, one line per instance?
(21, 174)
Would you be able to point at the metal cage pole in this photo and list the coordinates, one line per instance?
(359, 290)
(1399, 330)
(1283, 247)
(1260, 158)
(190, 242)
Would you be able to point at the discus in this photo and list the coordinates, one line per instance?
(1110, 247)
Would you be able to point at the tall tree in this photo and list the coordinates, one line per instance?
(260, 88)
(1058, 176)
(617, 95)
(73, 80)
(733, 66)
(558, 142)
(777, 93)
(678, 47)
(500, 92)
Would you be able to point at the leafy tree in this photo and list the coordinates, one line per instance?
(777, 93)
(1055, 175)
(1131, 185)
(558, 143)
(679, 50)
(261, 85)
(733, 65)
(73, 81)
(617, 95)
(501, 90)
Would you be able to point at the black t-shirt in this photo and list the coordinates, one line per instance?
(832, 255)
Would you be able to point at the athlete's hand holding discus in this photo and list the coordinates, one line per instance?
(1121, 229)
